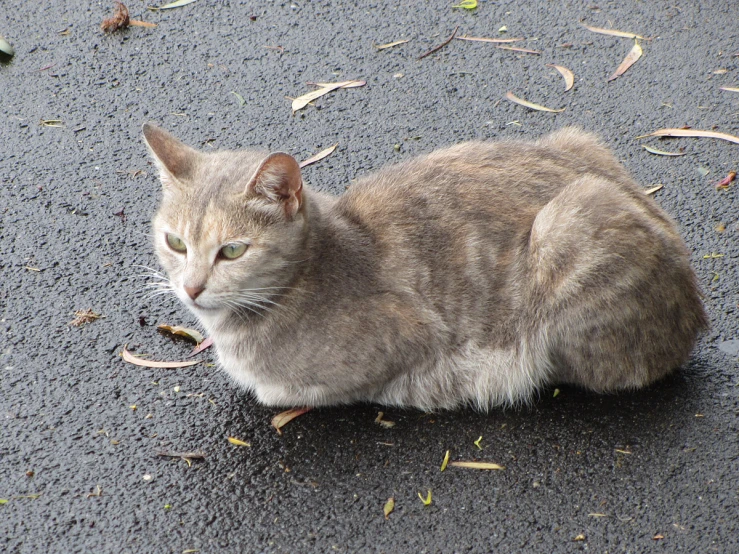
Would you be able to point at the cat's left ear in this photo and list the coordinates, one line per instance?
(278, 179)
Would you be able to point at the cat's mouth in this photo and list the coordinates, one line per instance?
(203, 308)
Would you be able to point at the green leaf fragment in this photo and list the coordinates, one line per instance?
(3, 501)
(389, 506)
(239, 98)
(467, 4)
(426, 501)
(445, 462)
(477, 442)
(556, 393)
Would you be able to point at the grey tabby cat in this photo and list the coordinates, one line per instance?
(473, 275)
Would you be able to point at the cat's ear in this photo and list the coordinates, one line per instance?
(175, 160)
(278, 179)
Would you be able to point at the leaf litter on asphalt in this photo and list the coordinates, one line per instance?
(538, 107)
(631, 58)
(653, 189)
(177, 4)
(83, 317)
(324, 88)
(568, 75)
(661, 152)
(690, 133)
(191, 334)
(466, 4)
(612, 32)
(131, 359)
(442, 45)
(207, 343)
(388, 508)
(283, 418)
(390, 44)
(492, 40)
(520, 50)
(478, 465)
(319, 156)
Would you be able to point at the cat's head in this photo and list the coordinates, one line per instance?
(231, 225)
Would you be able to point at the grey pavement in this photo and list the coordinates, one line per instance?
(651, 471)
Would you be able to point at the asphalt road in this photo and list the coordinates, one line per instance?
(653, 471)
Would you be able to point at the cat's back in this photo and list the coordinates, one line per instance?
(509, 180)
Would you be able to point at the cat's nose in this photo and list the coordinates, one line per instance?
(194, 292)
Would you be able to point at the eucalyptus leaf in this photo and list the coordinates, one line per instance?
(6, 48)
(177, 4)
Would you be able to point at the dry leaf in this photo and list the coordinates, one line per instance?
(207, 343)
(730, 89)
(191, 334)
(177, 4)
(477, 465)
(426, 501)
(629, 60)
(196, 455)
(580, 537)
(661, 152)
(658, 537)
(653, 189)
(522, 50)
(691, 133)
(237, 442)
(389, 506)
(445, 461)
(137, 23)
(442, 45)
(120, 19)
(384, 422)
(611, 32)
(513, 98)
(131, 359)
(352, 84)
(302, 101)
(724, 183)
(283, 418)
(566, 73)
(597, 515)
(390, 44)
(318, 157)
(493, 40)
(51, 123)
(84, 316)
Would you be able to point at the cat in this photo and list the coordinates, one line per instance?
(473, 275)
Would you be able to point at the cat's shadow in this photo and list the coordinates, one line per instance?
(342, 440)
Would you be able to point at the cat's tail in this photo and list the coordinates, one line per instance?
(589, 150)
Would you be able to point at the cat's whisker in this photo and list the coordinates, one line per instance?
(256, 298)
(159, 284)
(255, 302)
(236, 307)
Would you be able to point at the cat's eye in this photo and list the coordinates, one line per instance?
(176, 243)
(233, 250)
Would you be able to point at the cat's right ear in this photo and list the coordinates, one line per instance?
(175, 160)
